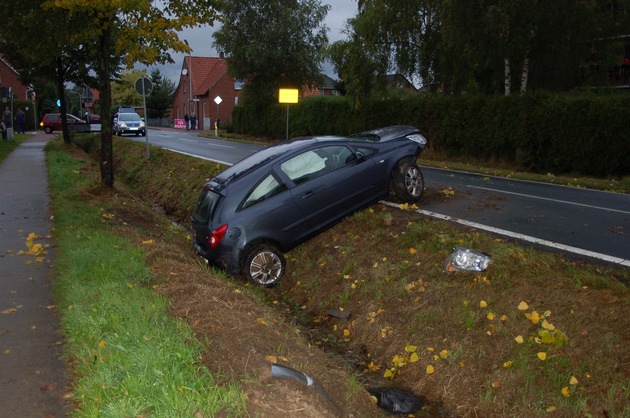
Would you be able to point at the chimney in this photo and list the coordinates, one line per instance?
(222, 55)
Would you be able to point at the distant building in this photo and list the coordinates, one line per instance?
(325, 88)
(400, 82)
(201, 81)
(9, 78)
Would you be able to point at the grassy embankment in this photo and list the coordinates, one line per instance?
(128, 356)
(537, 333)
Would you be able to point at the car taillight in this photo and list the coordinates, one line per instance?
(217, 235)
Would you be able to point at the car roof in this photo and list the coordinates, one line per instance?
(273, 152)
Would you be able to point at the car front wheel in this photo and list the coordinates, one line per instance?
(264, 265)
(408, 182)
(48, 129)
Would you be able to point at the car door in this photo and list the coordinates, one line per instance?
(330, 182)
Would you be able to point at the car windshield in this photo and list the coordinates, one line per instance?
(128, 116)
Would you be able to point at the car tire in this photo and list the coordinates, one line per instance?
(48, 129)
(264, 265)
(408, 181)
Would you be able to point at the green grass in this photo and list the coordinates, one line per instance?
(128, 356)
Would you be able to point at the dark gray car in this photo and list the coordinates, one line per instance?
(272, 201)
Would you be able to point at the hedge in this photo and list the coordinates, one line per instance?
(583, 133)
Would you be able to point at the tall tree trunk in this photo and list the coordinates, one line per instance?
(61, 87)
(507, 74)
(525, 75)
(104, 73)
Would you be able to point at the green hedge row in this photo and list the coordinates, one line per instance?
(585, 134)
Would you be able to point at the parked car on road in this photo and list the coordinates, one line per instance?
(128, 123)
(270, 202)
(52, 122)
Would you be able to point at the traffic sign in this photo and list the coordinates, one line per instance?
(144, 85)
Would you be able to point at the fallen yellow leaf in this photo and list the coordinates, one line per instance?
(548, 326)
(9, 311)
(519, 339)
(573, 381)
(413, 358)
(430, 369)
(262, 321)
(523, 306)
(444, 354)
(411, 348)
(565, 391)
(551, 409)
(490, 316)
(483, 304)
(101, 344)
(507, 364)
(542, 355)
(534, 317)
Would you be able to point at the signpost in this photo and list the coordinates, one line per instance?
(288, 96)
(144, 86)
(218, 101)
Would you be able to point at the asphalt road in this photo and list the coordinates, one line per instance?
(585, 223)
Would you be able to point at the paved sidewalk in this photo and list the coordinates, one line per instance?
(32, 373)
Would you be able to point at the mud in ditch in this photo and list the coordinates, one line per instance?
(356, 362)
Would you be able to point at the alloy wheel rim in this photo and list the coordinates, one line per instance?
(265, 267)
(413, 182)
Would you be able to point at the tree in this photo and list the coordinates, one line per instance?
(161, 98)
(122, 32)
(24, 25)
(124, 89)
(272, 44)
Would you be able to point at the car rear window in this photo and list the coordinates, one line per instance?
(205, 206)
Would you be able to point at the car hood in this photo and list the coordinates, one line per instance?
(392, 132)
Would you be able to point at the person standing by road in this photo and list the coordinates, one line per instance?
(3, 130)
(8, 118)
(187, 119)
(21, 121)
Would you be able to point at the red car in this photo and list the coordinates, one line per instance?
(52, 122)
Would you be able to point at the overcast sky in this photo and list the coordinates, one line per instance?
(200, 39)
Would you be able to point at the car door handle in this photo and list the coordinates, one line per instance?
(308, 195)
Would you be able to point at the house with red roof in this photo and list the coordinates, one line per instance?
(206, 90)
(9, 78)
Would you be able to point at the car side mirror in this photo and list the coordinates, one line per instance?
(360, 156)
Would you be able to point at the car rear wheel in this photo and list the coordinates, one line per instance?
(408, 181)
(48, 129)
(264, 265)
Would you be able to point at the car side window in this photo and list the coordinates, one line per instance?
(314, 163)
(264, 190)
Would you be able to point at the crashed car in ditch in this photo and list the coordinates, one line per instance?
(277, 198)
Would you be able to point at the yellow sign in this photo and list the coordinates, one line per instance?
(288, 96)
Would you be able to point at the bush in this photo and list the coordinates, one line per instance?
(582, 133)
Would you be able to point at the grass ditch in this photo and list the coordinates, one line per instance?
(535, 334)
(129, 357)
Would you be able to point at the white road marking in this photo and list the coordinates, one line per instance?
(522, 237)
(198, 156)
(551, 200)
